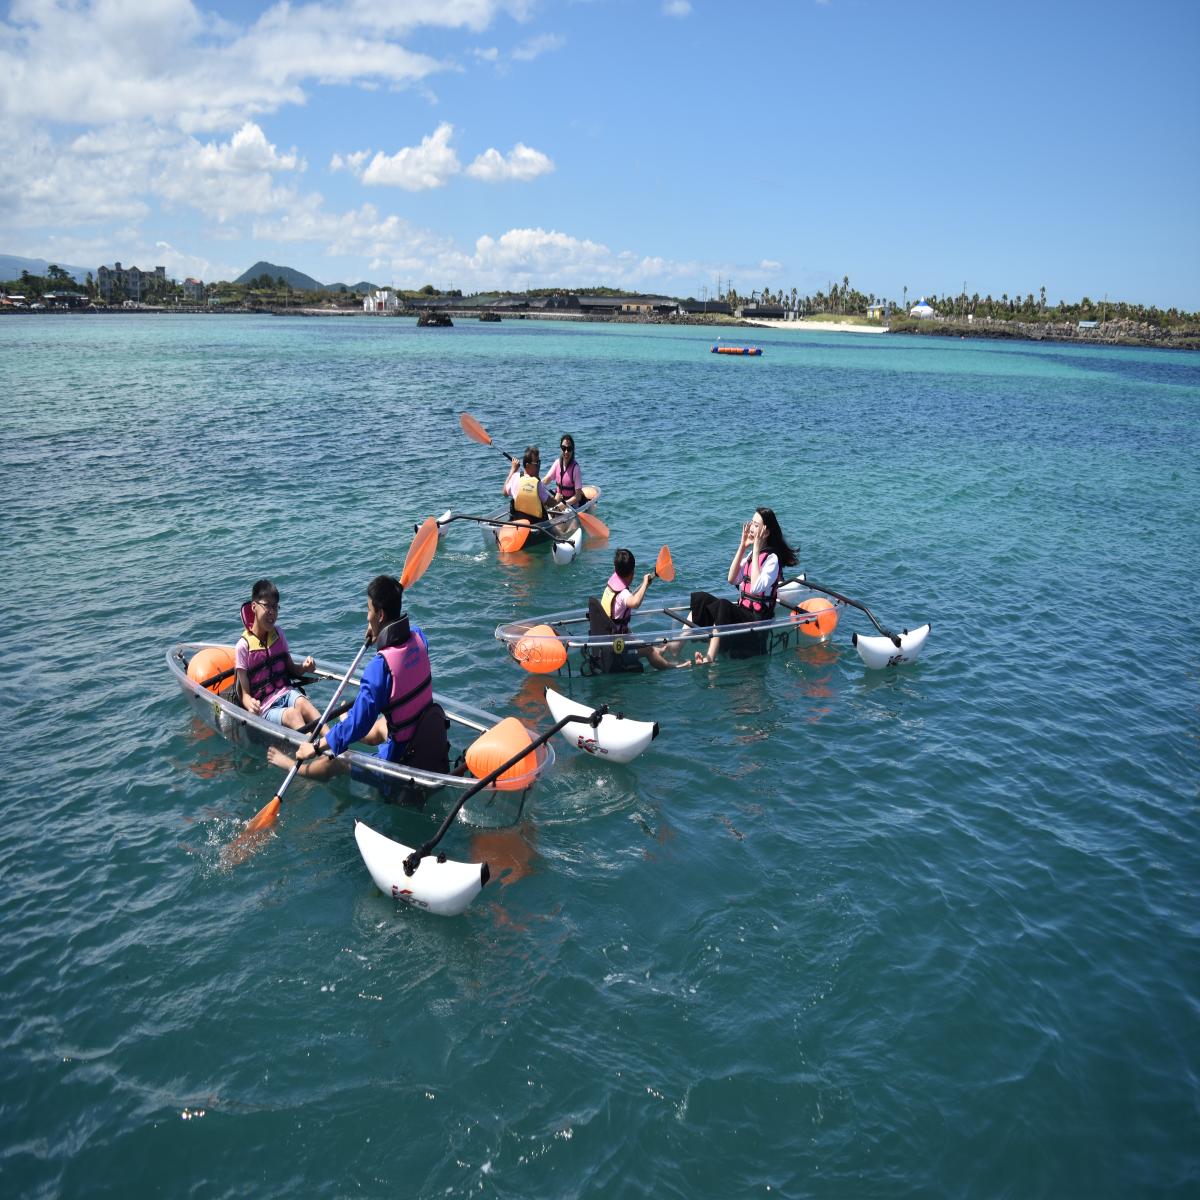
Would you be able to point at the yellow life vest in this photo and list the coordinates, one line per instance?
(526, 501)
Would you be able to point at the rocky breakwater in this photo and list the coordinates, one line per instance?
(1117, 332)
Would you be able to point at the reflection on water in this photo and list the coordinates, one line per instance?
(509, 853)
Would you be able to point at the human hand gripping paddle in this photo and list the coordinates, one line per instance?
(420, 555)
(476, 432)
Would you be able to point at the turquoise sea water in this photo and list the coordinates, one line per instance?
(928, 932)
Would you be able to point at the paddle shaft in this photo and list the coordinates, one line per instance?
(413, 860)
(510, 524)
(316, 733)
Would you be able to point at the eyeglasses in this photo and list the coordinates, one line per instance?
(564, 446)
(268, 605)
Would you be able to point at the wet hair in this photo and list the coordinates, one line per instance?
(623, 563)
(264, 591)
(387, 594)
(775, 540)
(531, 454)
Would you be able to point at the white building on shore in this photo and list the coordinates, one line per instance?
(382, 301)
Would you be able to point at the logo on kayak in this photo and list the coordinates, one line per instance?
(618, 645)
(405, 894)
(589, 744)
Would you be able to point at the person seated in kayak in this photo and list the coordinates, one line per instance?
(618, 601)
(755, 571)
(528, 496)
(265, 667)
(565, 473)
(395, 694)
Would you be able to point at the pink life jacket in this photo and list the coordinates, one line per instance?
(764, 606)
(412, 686)
(566, 483)
(266, 665)
(612, 589)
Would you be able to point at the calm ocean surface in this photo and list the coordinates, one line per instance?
(927, 932)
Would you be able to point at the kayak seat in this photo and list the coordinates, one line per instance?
(429, 747)
(604, 660)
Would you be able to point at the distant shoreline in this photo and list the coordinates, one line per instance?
(1111, 333)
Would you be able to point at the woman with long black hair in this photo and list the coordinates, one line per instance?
(755, 570)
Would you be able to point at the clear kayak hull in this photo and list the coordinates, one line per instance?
(369, 775)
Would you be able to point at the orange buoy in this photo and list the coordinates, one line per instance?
(500, 743)
(212, 660)
(825, 624)
(540, 651)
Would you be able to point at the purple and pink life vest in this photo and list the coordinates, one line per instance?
(266, 664)
(763, 605)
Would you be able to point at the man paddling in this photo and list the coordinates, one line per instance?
(395, 709)
(527, 495)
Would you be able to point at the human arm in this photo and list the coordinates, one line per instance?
(740, 554)
(296, 671)
(368, 704)
(634, 599)
(241, 663)
(514, 467)
(248, 701)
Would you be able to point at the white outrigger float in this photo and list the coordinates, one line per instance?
(437, 884)
(807, 613)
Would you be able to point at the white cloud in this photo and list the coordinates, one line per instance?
(130, 59)
(416, 168)
(350, 162)
(222, 180)
(543, 44)
(522, 164)
(677, 8)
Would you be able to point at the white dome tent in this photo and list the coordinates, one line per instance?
(921, 310)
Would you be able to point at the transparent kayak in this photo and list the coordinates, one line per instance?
(369, 775)
(536, 642)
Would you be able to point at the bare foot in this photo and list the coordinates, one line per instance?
(277, 758)
(701, 659)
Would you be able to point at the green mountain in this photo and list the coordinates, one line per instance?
(11, 267)
(289, 275)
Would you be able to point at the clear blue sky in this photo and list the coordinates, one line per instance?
(658, 146)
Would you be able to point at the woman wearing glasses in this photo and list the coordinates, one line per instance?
(566, 474)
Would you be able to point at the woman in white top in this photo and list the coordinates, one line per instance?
(755, 571)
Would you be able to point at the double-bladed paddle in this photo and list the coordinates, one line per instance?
(476, 432)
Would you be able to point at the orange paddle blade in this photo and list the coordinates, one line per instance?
(513, 537)
(265, 817)
(474, 430)
(593, 525)
(664, 568)
(420, 552)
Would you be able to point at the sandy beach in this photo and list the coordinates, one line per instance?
(817, 326)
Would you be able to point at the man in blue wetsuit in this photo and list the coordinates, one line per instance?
(395, 696)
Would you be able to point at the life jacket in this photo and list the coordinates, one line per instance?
(527, 503)
(762, 606)
(612, 589)
(412, 681)
(266, 662)
(566, 480)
